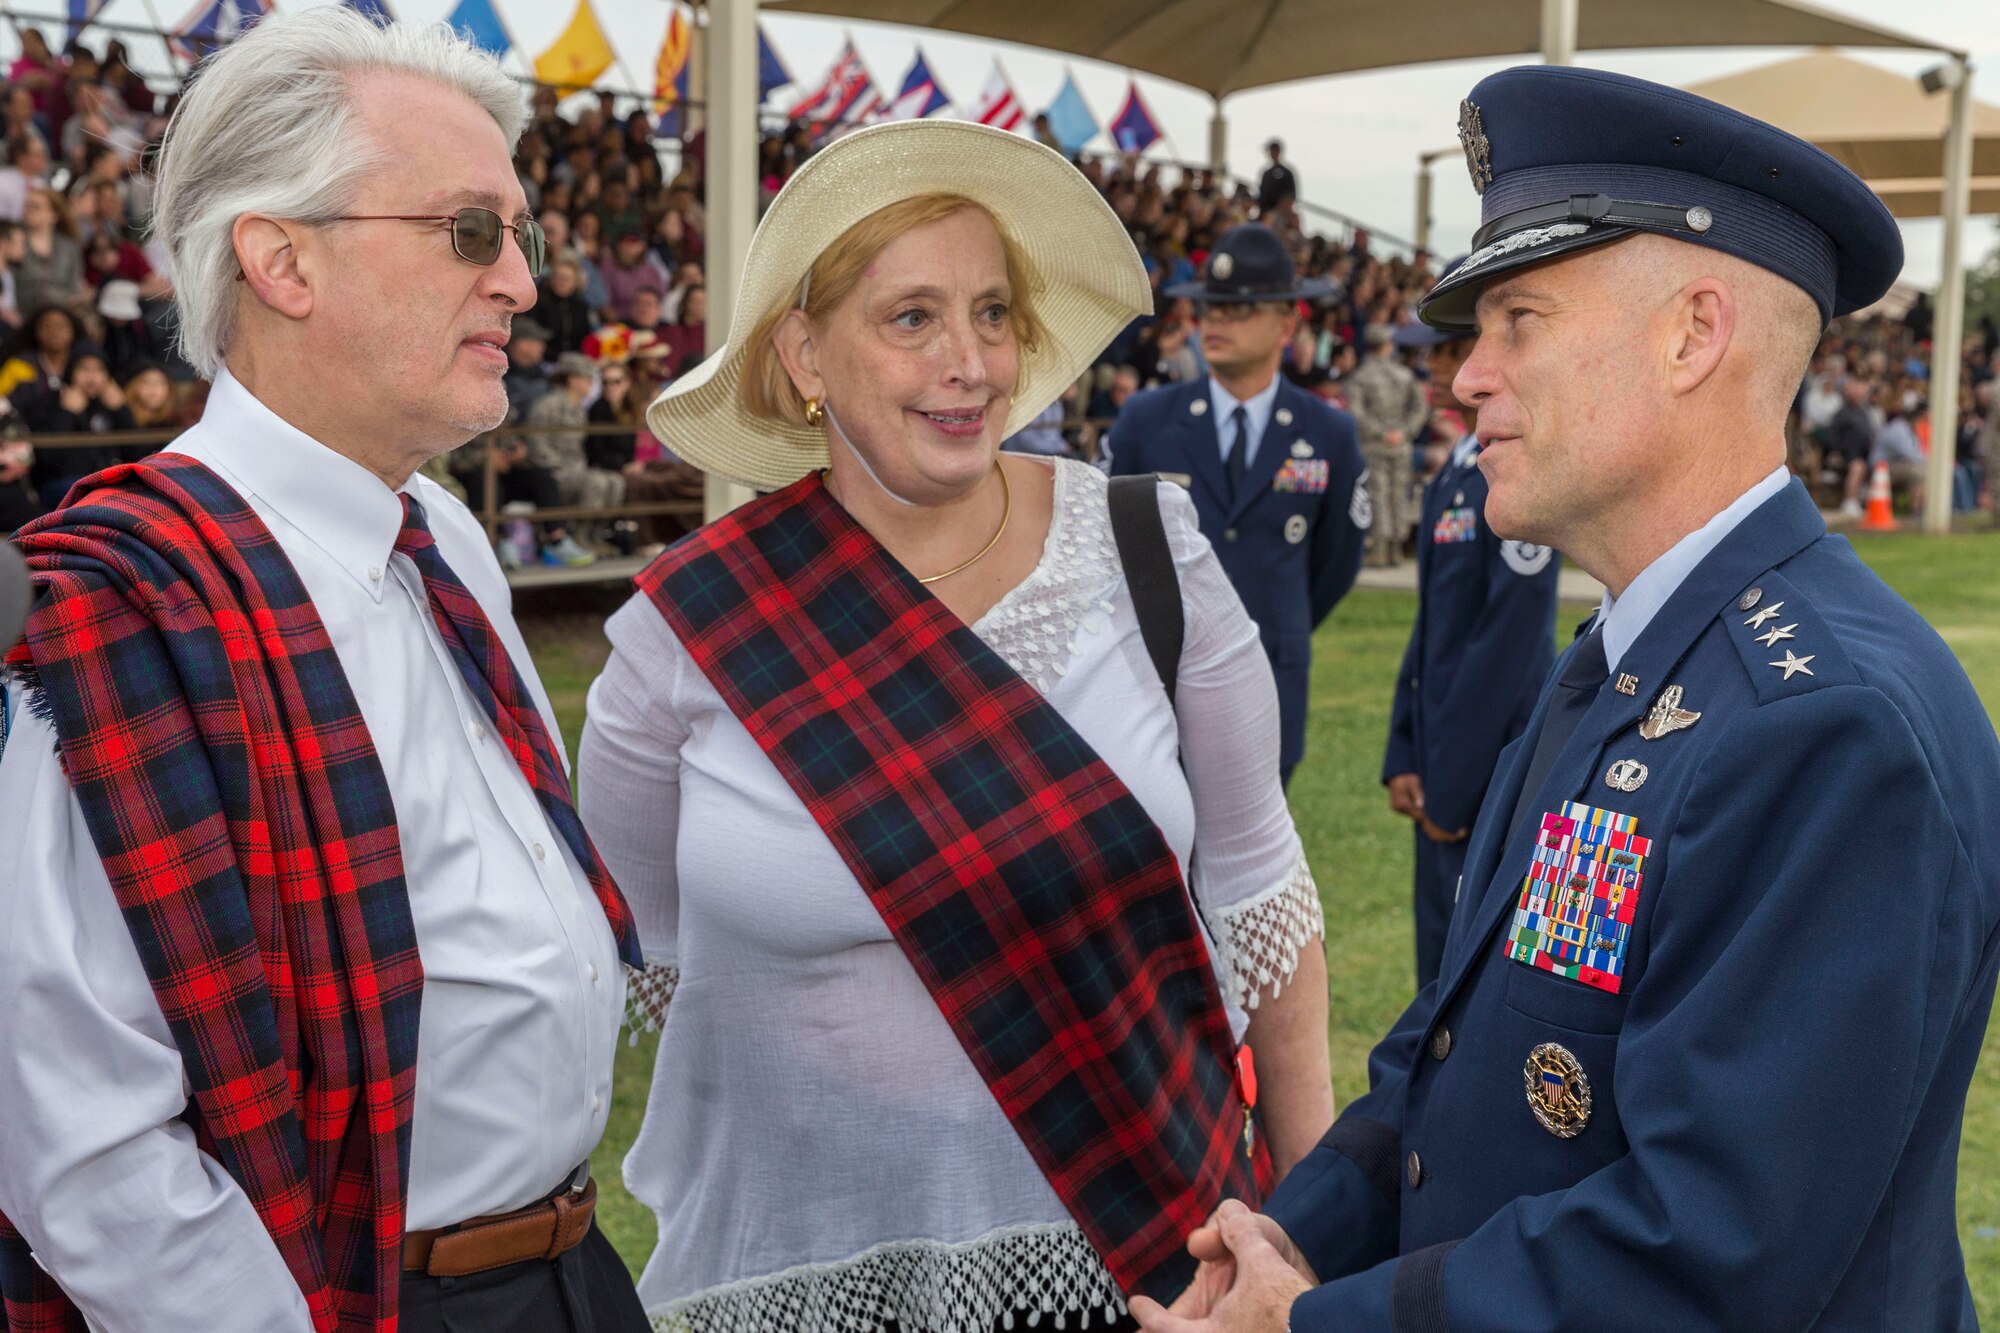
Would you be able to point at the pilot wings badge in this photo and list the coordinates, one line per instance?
(1667, 715)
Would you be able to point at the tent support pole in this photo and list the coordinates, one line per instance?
(1559, 32)
(730, 64)
(1218, 141)
(1948, 330)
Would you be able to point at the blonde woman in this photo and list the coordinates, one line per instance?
(903, 807)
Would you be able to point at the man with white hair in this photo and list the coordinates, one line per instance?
(1725, 944)
(312, 977)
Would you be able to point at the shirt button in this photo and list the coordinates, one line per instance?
(1229, 534)
(596, 1103)
(375, 573)
(1416, 1171)
(541, 854)
(593, 973)
(1441, 1043)
(479, 731)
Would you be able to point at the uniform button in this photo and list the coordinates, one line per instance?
(1229, 534)
(1441, 1043)
(1416, 1171)
(541, 854)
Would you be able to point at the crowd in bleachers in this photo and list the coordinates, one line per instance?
(86, 298)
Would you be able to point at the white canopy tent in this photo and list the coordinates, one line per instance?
(1228, 46)
(1925, 155)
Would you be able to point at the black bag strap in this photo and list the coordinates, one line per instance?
(1149, 572)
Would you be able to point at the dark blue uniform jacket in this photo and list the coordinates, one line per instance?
(1291, 542)
(1482, 645)
(1778, 1083)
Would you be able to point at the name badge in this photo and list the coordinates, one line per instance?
(1455, 525)
(1304, 476)
(1574, 917)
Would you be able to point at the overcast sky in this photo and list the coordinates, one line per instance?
(1353, 139)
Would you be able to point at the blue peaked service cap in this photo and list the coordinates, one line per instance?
(1565, 159)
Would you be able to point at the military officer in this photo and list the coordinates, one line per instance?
(1697, 1053)
(1276, 473)
(1389, 408)
(1482, 644)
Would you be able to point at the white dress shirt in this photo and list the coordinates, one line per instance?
(1625, 618)
(1257, 415)
(522, 985)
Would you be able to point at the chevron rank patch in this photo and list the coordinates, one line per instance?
(1575, 914)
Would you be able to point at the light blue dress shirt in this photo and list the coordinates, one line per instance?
(1258, 415)
(1626, 618)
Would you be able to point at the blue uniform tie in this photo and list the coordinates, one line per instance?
(1234, 463)
(1576, 689)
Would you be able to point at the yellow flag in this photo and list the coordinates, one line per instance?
(579, 56)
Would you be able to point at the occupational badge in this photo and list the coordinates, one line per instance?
(1667, 716)
(1300, 449)
(1627, 775)
(1295, 529)
(1478, 153)
(1558, 1090)
(1574, 916)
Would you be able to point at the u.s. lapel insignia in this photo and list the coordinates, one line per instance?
(1199, 407)
(1558, 1090)
(1667, 716)
(1627, 775)
(1284, 416)
(1794, 665)
(1300, 449)
(1478, 153)
(1628, 684)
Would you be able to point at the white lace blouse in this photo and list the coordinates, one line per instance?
(820, 1152)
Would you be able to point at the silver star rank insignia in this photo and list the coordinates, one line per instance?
(1777, 635)
(1768, 613)
(1794, 665)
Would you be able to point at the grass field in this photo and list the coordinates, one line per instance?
(1361, 853)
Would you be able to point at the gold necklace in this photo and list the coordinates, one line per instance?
(1007, 509)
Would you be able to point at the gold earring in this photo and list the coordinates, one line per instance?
(814, 412)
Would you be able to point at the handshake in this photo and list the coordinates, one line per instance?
(1249, 1275)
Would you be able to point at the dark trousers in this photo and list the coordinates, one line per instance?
(585, 1290)
(1439, 864)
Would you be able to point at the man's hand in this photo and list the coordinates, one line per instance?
(113, 397)
(1436, 834)
(72, 399)
(1406, 795)
(1249, 1276)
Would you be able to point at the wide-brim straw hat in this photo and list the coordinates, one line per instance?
(1088, 282)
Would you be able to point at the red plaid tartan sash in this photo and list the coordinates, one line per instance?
(229, 782)
(1034, 896)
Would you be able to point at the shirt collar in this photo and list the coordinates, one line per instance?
(330, 499)
(1625, 618)
(1258, 406)
(1466, 452)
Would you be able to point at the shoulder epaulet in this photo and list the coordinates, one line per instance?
(1787, 648)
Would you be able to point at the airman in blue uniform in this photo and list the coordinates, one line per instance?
(1698, 1050)
(1275, 472)
(1482, 644)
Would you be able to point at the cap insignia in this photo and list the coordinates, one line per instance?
(1520, 240)
(1478, 153)
(1221, 267)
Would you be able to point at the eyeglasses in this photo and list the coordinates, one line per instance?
(475, 234)
(1234, 312)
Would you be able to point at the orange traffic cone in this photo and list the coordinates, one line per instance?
(1879, 517)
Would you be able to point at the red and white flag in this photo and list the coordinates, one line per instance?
(996, 104)
(846, 95)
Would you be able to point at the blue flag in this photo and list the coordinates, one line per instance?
(215, 24)
(919, 95)
(771, 71)
(1070, 119)
(477, 21)
(80, 13)
(1133, 130)
(377, 10)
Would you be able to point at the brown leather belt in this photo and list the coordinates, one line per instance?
(539, 1231)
